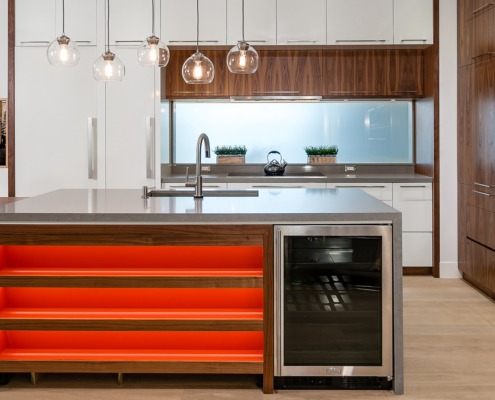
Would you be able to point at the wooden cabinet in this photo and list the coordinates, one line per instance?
(174, 86)
(466, 125)
(301, 22)
(80, 299)
(373, 73)
(352, 22)
(178, 22)
(260, 22)
(413, 21)
(282, 73)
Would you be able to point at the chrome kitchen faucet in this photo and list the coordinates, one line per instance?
(197, 183)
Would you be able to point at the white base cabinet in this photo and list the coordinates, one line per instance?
(276, 185)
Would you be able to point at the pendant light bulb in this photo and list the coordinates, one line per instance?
(198, 69)
(153, 52)
(242, 59)
(108, 67)
(63, 52)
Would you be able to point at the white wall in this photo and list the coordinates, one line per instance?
(448, 139)
(3, 79)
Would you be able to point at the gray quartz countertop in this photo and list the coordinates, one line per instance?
(303, 178)
(270, 206)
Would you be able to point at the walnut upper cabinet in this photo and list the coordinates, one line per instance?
(373, 73)
(476, 30)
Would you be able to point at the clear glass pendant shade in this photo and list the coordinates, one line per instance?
(153, 52)
(242, 59)
(198, 69)
(63, 51)
(108, 67)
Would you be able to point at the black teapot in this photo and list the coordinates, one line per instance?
(274, 167)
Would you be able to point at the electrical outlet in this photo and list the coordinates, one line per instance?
(205, 168)
(350, 168)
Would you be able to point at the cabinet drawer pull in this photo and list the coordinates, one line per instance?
(128, 41)
(276, 92)
(413, 40)
(276, 187)
(489, 53)
(359, 187)
(83, 41)
(194, 41)
(301, 41)
(483, 185)
(404, 91)
(35, 42)
(483, 8)
(257, 41)
(413, 186)
(360, 40)
(354, 92)
(483, 193)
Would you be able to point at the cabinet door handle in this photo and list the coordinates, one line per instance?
(128, 41)
(483, 8)
(404, 91)
(193, 41)
(354, 92)
(360, 187)
(276, 187)
(35, 42)
(489, 53)
(360, 40)
(301, 41)
(483, 193)
(150, 147)
(413, 186)
(257, 41)
(483, 185)
(413, 40)
(92, 149)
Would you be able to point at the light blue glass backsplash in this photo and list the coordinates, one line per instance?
(365, 131)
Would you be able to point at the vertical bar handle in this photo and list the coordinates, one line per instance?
(92, 162)
(150, 147)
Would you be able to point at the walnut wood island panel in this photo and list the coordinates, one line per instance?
(105, 281)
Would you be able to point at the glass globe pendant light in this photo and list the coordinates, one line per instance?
(242, 58)
(152, 50)
(108, 67)
(63, 51)
(198, 68)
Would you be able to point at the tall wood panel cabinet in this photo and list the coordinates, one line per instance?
(476, 138)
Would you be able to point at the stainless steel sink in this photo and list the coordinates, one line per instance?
(206, 193)
(306, 174)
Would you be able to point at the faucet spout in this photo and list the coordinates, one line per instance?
(198, 192)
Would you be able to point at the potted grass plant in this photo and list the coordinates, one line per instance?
(230, 154)
(321, 154)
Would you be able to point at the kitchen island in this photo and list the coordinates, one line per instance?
(108, 281)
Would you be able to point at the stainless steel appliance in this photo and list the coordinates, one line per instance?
(333, 306)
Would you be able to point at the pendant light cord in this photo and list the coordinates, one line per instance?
(153, 17)
(197, 26)
(63, 18)
(108, 26)
(243, 21)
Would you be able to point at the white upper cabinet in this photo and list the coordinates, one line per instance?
(130, 22)
(178, 22)
(301, 22)
(413, 21)
(80, 21)
(260, 22)
(39, 22)
(360, 22)
(35, 22)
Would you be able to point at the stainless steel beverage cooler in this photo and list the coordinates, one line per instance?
(333, 306)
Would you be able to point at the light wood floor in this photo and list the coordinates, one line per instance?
(449, 355)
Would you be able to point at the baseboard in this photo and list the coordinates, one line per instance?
(449, 270)
(417, 271)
